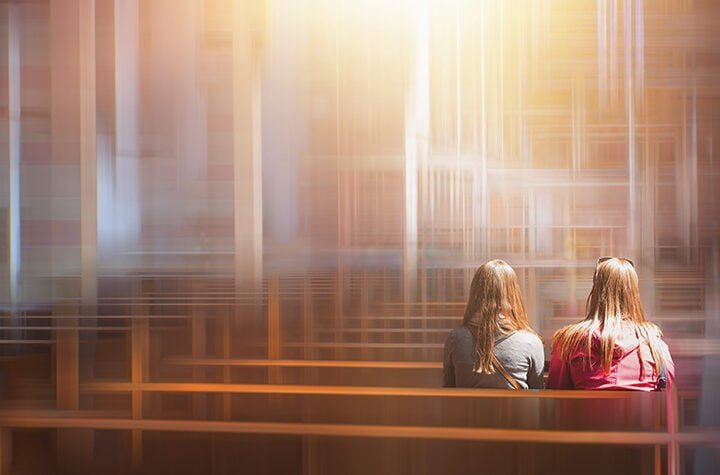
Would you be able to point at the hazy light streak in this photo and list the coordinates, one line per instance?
(14, 151)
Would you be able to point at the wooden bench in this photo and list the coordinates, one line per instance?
(323, 421)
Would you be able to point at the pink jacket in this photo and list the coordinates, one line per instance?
(624, 370)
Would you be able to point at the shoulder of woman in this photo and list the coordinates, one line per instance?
(461, 332)
(529, 338)
(656, 331)
(660, 342)
(528, 335)
(566, 331)
(576, 333)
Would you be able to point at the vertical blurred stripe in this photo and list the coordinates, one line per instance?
(87, 135)
(639, 49)
(416, 146)
(629, 88)
(127, 194)
(247, 31)
(602, 50)
(13, 154)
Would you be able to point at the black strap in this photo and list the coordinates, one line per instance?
(661, 384)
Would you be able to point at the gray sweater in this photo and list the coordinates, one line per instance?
(521, 353)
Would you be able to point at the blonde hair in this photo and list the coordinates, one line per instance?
(613, 308)
(494, 306)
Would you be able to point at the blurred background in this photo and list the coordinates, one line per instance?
(235, 233)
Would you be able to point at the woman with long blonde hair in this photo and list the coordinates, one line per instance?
(495, 346)
(614, 347)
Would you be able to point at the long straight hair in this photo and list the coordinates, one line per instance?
(494, 307)
(614, 310)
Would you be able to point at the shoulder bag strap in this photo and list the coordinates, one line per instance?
(661, 384)
(508, 377)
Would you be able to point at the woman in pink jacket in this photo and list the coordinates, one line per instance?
(614, 347)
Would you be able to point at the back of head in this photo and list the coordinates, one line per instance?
(614, 310)
(615, 294)
(495, 306)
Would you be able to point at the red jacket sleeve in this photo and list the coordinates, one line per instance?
(559, 374)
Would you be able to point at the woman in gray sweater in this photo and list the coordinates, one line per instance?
(495, 346)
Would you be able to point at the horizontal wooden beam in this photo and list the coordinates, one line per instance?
(104, 387)
(305, 363)
(693, 438)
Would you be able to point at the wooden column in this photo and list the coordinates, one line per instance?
(67, 358)
(309, 352)
(708, 410)
(5, 451)
(74, 446)
(311, 376)
(224, 343)
(139, 370)
(364, 313)
(274, 373)
(199, 348)
(339, 301)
